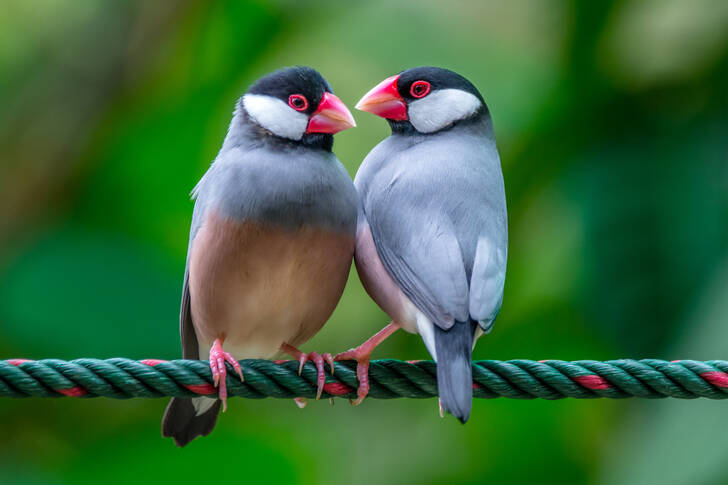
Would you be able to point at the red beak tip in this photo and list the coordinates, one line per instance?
(332, 116)
(384, 100)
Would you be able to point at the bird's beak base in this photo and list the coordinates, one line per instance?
(331, 116)
(384, 100)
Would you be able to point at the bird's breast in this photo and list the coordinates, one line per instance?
(258, 285)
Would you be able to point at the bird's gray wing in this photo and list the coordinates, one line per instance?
(422, 254)
(487, 281)
(190, 346)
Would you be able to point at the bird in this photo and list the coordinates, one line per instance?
(432, 231)
(271, 240)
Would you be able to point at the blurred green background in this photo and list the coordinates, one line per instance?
(612, 124)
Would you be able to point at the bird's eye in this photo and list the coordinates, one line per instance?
(298, 102)
(419, 89)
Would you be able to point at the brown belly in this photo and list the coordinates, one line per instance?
(258, 286)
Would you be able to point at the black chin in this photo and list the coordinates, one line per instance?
(323, 141)
(401, 127)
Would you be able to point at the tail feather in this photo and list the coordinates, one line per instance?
(181, 422)
(454, 350)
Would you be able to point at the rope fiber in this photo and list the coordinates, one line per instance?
(517, 379)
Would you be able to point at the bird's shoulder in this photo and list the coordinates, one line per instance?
(457, 172)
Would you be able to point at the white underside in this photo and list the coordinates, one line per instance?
(413, 320)
(202, 404)
(419, 323)
(427, 332)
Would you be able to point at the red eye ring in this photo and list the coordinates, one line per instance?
(419, 89)
(298, 102)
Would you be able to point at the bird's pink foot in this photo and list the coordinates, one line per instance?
(317, 359)
(218, 357)
(362, 355)
(362, 371)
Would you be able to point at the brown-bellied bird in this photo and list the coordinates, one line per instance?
(272, 237)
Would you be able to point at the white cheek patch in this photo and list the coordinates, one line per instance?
(276, 116)
(441, 108)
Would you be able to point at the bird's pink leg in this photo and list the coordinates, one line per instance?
(218, 357)
(317, 359)
(361, 355)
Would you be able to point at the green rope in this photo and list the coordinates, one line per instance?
(518, 379)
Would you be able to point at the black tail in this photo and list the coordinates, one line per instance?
(454, 349)
(181, 422)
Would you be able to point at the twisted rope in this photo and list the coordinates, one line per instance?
(518, 379)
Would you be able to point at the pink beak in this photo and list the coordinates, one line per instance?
(331, 116)
(384, 100)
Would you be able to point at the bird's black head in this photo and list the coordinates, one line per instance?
(305, 83)
(418, 82)
(296, 103)
(426, 99)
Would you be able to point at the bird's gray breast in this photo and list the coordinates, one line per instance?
(289, 189)
(453, 176)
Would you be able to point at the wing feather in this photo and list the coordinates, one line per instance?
(487, 282)
(423, 257)
(190, 345)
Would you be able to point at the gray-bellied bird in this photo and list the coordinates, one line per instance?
(432, 230)
(272, 237)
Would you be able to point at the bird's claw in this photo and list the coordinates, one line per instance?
(218, 357)
(317, 359)
(362, 358)
(362, 354)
